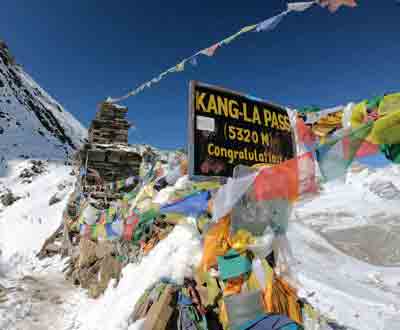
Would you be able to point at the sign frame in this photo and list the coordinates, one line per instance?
(191, 126)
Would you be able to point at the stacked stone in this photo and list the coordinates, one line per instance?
(110, 125)
(107, 156)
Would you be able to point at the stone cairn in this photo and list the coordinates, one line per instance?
(107, 157)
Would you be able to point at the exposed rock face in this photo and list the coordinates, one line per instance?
(8, 198)
(54, 199)
(36, 168)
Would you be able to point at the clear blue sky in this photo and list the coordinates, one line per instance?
(82, 51)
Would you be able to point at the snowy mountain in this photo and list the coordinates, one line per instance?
(32, 123)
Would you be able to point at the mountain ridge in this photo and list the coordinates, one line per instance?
(32, 123)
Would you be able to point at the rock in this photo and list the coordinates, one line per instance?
(36, 168)
(385, 190)
(61, 186)
(160, 313)
(87, 277)
(95, 291)
(52, 248)
(54, 199)
(87, 253)
(110, 269)
(56, 300)
(104, 248)
(8, 198)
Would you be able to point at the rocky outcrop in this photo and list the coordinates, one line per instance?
(8, 198)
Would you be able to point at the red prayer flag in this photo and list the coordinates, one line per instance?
(365, 149)
(334, 5)
(305, 133)
(129, 226)
(288, 180)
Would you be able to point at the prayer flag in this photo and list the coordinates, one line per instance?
(335, 156)
(210, 50)
(334, 5)
(300, 6)
(288, 180)
(193, 61)
(194, 205)
(270, 23)
(180, 66)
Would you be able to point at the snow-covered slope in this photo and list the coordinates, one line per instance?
(347, 243)
(32, 124)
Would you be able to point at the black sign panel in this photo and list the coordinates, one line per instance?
(227, 128)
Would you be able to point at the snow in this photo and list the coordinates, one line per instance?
(37, 292)
(356, 293)
(26, 224)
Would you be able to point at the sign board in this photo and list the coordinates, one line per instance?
(227, 128)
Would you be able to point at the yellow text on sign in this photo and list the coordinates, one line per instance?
(230, 108)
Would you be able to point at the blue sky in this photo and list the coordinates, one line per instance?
(82, 51)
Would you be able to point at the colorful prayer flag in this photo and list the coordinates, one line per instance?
(113, 231)
(101, 232)
(180, 66)
(300, 6)
(193, 61)
(334, 5)
(288, 180)
(228, 40)
(270, 23)
(305, 133)
(194, 205)
(130, 225)
(210, 50)
(248, 28)
(335, 156)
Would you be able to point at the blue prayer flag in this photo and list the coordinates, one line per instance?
(193, 61)
(270, 23)
(193, 205)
